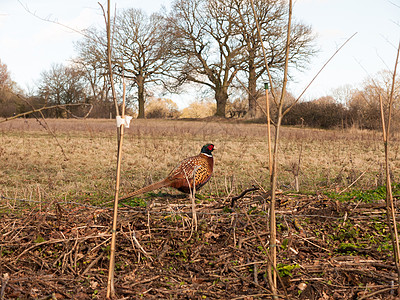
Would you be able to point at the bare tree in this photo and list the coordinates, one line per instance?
(207, 47)
(141, 49)
(91, 60)
(272, 18)
(381, 85)
(219, 38)
(364, 103)
(343, 94)
(5, 77)
(62, 85)
(8, 88)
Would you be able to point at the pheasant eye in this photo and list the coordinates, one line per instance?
(210, 147)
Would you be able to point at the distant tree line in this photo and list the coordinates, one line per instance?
(211, 46)
(346, 107)
(349, 107)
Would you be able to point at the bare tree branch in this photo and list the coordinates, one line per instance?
(44, 108)
(316, 75)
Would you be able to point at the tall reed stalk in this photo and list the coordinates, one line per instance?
(391, 217)
(273, 155)
(120, 134)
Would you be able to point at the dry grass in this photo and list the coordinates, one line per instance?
(33, 165)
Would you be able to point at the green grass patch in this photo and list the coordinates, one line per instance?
(368, 196)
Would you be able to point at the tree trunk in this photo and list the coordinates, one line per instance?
(140, 83)
(221, 96)
(252, 86)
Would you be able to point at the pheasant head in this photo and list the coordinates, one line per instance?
(207, 149)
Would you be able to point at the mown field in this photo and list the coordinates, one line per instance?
(57, 178)
(80, 156)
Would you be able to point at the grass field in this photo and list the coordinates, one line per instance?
(79, 159)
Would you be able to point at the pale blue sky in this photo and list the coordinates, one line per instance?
(373, 48)
(29, 45)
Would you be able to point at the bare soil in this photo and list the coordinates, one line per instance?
(326, 249)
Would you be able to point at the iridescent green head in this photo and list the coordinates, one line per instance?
(207, 149)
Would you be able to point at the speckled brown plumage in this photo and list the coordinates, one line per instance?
(181, 177)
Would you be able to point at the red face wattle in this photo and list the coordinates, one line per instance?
(210, 147)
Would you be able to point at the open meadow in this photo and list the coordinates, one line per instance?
(56, 186)
(81, 157)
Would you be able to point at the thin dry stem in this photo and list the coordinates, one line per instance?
(319, 72)
(269, 134)
(41, 110)
(389, 195)
(120, 135)
(193, 198)
(263, 49)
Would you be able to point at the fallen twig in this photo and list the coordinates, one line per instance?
(242, 194)
(4, 281)
(62, 240)
(369, 296)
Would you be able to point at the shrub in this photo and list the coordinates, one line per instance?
(161, 108)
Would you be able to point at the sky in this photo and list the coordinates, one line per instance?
(30, 45)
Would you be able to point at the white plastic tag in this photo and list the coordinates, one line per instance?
(124, 121)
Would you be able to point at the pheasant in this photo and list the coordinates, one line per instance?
(181, 177)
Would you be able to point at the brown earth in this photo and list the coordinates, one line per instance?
(326, 249)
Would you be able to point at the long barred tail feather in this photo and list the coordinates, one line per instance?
(149, 188)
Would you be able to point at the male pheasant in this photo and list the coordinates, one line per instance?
(181, 177)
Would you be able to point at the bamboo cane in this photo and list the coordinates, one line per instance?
(110, 281)
(271, 275)
(120, 134)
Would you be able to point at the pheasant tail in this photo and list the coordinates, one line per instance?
(149, 188)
